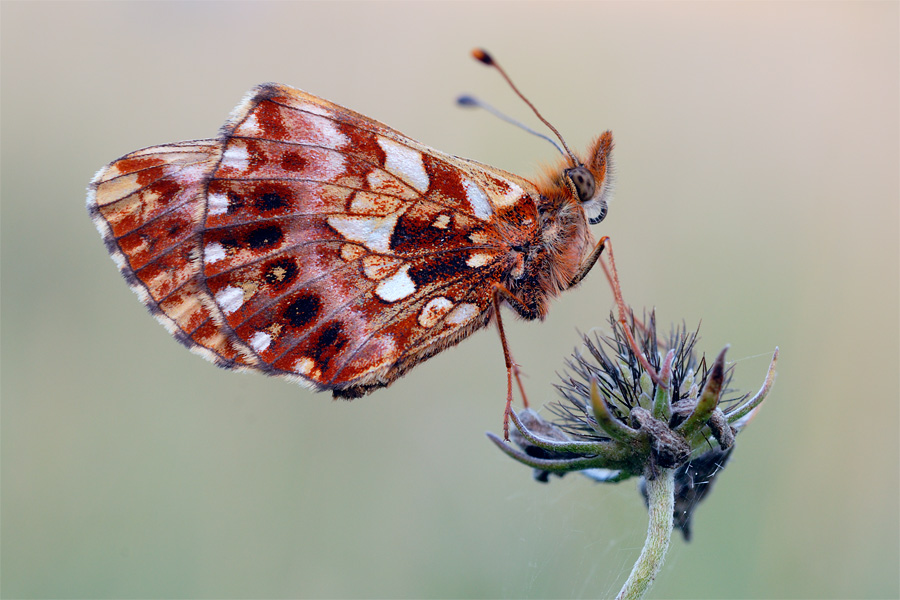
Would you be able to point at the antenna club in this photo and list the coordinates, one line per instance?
(482, 56)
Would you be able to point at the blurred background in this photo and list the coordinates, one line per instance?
(757, 191)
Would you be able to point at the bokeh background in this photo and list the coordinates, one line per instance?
(757, 191)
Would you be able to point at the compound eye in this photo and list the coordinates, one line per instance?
(584, 182)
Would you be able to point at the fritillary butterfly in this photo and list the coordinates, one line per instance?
(311, 242)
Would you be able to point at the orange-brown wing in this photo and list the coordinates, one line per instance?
(147, 206)
(339, 252)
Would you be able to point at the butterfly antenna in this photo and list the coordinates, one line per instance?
(475, 102)
(483, 57)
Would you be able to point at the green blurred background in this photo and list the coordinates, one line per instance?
(757, 190)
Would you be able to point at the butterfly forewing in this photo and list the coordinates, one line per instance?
(337, 250)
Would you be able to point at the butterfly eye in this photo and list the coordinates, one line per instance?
(584, 182)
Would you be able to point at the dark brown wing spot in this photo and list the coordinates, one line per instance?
(264, 237)
(292, 161)
(302, 311)
(444, 266)
(270, 200)
(328, 345)
(412, 235)
(268, 117)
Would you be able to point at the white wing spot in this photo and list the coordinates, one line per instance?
(433, 311)
(479, 259)
(315, 109)
(478, 200)
(318, 131)
(260, 341)
(236, 157)
(397, 286)
(230, 299)
(442, 221)
(373, 232)
(217, 204)
(512, 195)
(462, 314)
(251, 126)
(479, 237)
(307, 366)
(405, 163)
(213, 252)
(331, 137)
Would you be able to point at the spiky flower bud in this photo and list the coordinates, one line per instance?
(625, 415)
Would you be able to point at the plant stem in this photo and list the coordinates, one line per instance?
(661, 499)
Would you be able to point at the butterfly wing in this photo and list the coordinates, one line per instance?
(339, 252)
(147, 206)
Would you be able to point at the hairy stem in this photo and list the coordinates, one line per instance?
(661, 497)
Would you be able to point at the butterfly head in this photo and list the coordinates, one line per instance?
(593, 181)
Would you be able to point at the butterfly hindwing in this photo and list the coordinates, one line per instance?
(146, 206)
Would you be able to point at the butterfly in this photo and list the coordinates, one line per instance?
(314, 243)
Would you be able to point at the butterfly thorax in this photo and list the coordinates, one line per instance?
(553, 256)
(569, 197)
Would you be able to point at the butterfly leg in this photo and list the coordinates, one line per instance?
(590, 261)
(613, 276)
(512, 369)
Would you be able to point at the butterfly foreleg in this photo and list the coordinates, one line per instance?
(590, 261)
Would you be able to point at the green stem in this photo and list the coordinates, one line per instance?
(661, 498)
